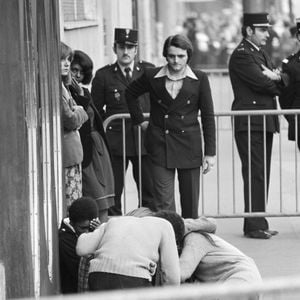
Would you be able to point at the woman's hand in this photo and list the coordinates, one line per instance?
(77, 87)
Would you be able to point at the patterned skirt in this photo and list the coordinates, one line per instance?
(73, 183)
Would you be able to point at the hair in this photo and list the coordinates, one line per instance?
(178, 41)
(177, 224)
(83, 209)
(66, 51)
(244, 30)
(86, 64)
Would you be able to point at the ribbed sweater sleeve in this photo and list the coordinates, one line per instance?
(88, 242)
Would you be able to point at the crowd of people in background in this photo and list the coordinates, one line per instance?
(215, 35)
(153, 245)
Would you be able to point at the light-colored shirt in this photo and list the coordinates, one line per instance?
(122, 68)
(174, 83)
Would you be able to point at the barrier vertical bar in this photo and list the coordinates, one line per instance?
(249, 165)
(233, 165)
(124, 164)
(140, 164)
(2, 282)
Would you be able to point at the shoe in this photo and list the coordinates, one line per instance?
(258, 234)
(272, 232)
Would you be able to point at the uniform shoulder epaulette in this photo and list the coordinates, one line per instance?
(288, 59)
(145, 63)
(105, 67)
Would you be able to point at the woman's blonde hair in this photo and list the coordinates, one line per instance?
(66, 51)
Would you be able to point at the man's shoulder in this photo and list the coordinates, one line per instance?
(144, 64)
(106, 68)
(295, 57)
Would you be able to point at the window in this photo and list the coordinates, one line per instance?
(79, 13)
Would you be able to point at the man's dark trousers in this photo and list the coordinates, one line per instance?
(258, 199)
(147, 192)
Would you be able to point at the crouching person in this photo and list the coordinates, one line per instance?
(207, 258)
(83, 217)
(128, 249)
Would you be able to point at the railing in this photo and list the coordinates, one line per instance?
(221, 189)
(287, 288)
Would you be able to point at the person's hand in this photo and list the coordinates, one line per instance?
(273, 75)
(77, 87)
(144, 125)
(95, 223)
(208, 163)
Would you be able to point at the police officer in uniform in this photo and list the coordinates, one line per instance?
(290, 96)
(108, 93)
(173, 138)
(255, 84)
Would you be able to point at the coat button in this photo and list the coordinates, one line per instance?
(110, 128)
(182, 117)
(188, 102)
(166, 116)
(182, 131)
(167, 131)
(254, 102)
(159, 101)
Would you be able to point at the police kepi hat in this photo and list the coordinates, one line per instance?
(256, 19)
(126, 36)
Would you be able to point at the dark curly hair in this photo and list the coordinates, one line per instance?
(86, 64)
(177, 224)
(178, 41)
(83, 209)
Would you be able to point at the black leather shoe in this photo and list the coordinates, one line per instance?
(272, 232)
(258, 234)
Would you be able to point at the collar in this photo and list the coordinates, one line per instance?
(255, 46)
(122, 68)
(67, 223)
(164, 72)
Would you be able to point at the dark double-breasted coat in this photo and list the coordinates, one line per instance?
(108, 93)
(173, 137)
(290, 96)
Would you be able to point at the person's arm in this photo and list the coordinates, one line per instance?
(88, 243)
(208, 123)
(201, 224)
(73, 117)
(135, 89)
(251, 73)
(195, 247)
(169, 260)
(98, 92)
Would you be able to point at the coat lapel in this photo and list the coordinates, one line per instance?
(118, 75)
(184, 93)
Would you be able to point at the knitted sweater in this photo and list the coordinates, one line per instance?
(222, 262)
(133, 246)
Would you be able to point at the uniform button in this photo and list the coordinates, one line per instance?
(166, 116)
(159, 101)
(188, 102)
(182, 131)
(167, 131)
(254, 102)
(110, 128)
(182, 117)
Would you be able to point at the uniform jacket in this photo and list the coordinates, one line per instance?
(252, 90)
(108, 93)
(290, 97)
(94, 122)
(173, 137)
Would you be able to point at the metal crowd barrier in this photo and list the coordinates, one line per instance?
(287, 288)
(222, 188)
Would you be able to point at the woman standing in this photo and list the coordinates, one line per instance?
(97, 174)
(73, 116)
